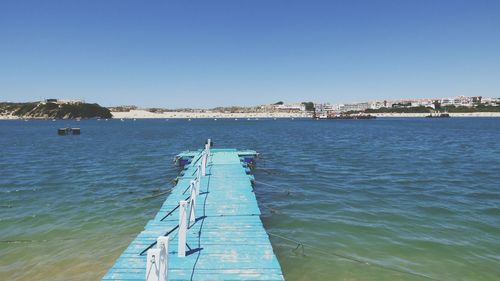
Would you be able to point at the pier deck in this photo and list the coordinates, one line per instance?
(227, 241)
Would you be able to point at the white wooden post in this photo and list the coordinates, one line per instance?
(181, 248)
(153, 265)
(192, 185)
(192, 203)
(198, 180)
(162, 244)
(207, 146)
(207, 150)
(204, 163)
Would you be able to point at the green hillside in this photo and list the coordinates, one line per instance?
(54, 110)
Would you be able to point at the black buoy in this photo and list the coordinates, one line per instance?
(62, 131)
(67, 131)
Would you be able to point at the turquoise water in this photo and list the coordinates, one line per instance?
(414, 195)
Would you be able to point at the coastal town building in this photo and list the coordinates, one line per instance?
(290, 107)
(354, 106)
(491, 101)
(431, 103)
(61, 101)
(460, 101)
(326, 107)
(377, 104)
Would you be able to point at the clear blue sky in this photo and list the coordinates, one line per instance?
(245, 52)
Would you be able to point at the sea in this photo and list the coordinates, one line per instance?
(382, 199)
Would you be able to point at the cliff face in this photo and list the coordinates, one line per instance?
(54, 111)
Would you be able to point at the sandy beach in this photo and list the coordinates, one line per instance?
(141, 114)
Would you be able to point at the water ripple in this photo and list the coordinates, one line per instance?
(414, 194)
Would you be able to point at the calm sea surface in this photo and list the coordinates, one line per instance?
(413, 195)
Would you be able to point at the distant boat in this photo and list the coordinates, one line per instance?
(235, 119)
(122, 120)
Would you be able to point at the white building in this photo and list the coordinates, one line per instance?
(291, 107)
(491, 101)
(59, 101)
(355, 106)
(457, 101)
(327, 107)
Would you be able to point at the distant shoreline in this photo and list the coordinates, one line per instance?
(144, 114)
(468, 114)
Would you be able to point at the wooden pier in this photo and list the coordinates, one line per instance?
(209, 227)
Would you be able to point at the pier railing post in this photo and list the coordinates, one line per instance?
(181, 248)
(198, 185)
(192, 184)
(153, 265)
(157, 261)
(162, 244)
(204, 159)
(207, 146)
(192, 203)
